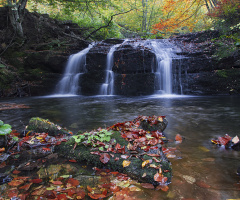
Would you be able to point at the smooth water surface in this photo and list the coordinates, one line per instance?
(197, 119)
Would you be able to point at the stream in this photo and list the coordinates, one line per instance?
(198, 119)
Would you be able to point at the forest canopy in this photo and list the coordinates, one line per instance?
(132, 18)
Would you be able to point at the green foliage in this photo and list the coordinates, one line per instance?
(226, 46)
(6, 78)
(4, 128)
(92, 138)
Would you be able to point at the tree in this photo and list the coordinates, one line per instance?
(179, 15)
(16, 14)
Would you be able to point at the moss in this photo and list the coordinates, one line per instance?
(42, 125)
(222, 73)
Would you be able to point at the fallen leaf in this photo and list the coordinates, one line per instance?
(37, 180)
(89, 188)
(126, 163)
(144, 163)
(160, 178)
(16, 183)
(26, 187)
(189, 179)
(96, 196)
(62, 197)
(235, 140)
(104, 158)
(73, 182)
(124, 156)
(57, 182)
(178, 138)
(16, 172)
(164, 188)
(38, 191)
(144, 175)
(74, 161)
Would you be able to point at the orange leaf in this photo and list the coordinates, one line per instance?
(16, 172)
(178, 138)
(16, 183)
(160, 178)
(73, 182)
(126, 163)
(96, 196)
(89, 188)
(26, 187)
(164, 188)
(72, 160)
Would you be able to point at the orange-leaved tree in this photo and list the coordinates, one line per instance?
(180, 15)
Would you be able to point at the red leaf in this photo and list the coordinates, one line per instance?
(73, 182)
(104, 158)
(49, 194)
(12, 193)
(80, 193)
(96, 196)
(38, 180)
(62, 197)
(16, 172)
(70, 192)
(160, 178)
(57, 182)
(74, 161)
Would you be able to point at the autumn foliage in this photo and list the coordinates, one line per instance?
(226, 9)
(178, 14)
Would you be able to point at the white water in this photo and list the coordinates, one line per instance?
(107, 88)
(163, 72)
(76, 66)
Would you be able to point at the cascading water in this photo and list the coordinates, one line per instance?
(76, 66)
(163, 72)
(107, 87)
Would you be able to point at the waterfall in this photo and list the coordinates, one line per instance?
(107, 88)
(163, 71)
(76, 66)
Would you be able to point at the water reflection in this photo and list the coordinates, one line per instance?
(198, 119)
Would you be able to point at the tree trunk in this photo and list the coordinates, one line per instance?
(16, 12)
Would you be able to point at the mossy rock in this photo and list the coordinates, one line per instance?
(40, 125)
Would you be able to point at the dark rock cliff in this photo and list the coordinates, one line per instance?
(200, 72)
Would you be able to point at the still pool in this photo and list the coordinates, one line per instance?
(198, 164)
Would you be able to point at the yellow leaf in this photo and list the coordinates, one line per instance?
(126, 163)
(145, 174)
(145, 163)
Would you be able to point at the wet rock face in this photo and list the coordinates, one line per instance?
(132, 69)
(198, 72)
